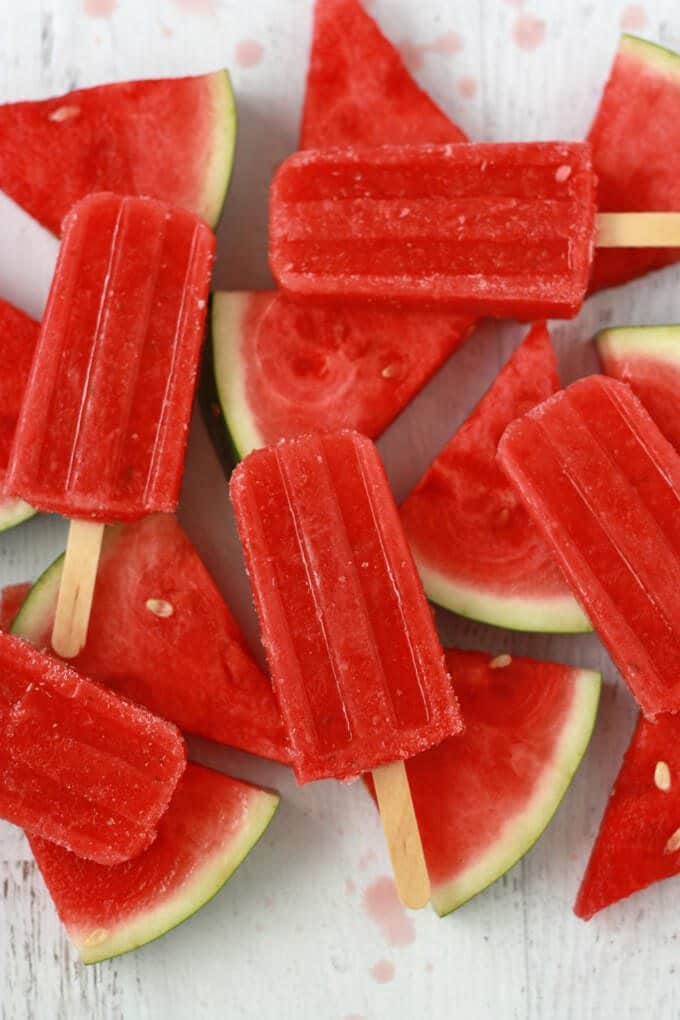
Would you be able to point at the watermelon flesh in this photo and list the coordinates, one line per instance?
(161, 634)
(171, 139)
(281, 369)
(484, 797)
(476, 548)
(359, 91)
(19, 335)
(212, 824)
(639, 838)
(11, 599)
(648, 359)
(634, 136)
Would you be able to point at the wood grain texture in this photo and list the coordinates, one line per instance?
(290, 938)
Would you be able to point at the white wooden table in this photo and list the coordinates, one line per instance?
(293, 935)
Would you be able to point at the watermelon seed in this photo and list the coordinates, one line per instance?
(563, 173)
(96, 937)
(159, 607)
(500, 661)
(63, 113)
(673, 843)
(388, 371)
(662, 776)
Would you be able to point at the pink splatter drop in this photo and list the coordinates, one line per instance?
(196, 6)
(467, 87)
(450, 42)
(428, 967)
(528, 32)
(514, 3)
(248, 53)
(633, 18)
(412, 55)
(166, 32)
(381, 904)
(350, 887)
(366, 859)
(382, 971)
(100, 8)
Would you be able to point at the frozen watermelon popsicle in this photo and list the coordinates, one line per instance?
(103, 427)
(603, 485)
(353, 652)
(495, 229)
(79, 765)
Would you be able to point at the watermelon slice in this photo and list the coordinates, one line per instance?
(359, 91)
(280, 369)
(477, 550)
(639, 838)
(648, 359)
(171, 139)
(18, 337)
(11, 599)
(212, 824)
(483, 798)
(634, 135)
(161, 634)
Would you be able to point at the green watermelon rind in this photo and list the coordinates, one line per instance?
(550, 615)
(13, 512)
(31, 620)
(662, 59)
(219, 169)
(657, 343)
(524, 829)
(205, 883)
(227, 309)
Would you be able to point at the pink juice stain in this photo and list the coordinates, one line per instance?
(382, 972)
(248, 53)
(350, 887)
(633, 18)
(448, 43)
(381, 904)
(528, 32)
(467, 87)
(413, 55)
(100, 8)
(196, 6)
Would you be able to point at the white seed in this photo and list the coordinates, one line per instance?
(500, 662)
(673, 843)
(159, 607)
(63, 113)
(563, 173)
(388, 371)
(96, 937)
(662, 776)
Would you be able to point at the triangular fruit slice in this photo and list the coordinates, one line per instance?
(477, 550)
(18, 337)
(212, 824)
(359, 91)
(634, 136)
(648, 359)
(484, 797)
(161, 634)
(281, 369)
(639, 838)
(172, 139)
(11, 598)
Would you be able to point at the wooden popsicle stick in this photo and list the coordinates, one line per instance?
(402, 834)
(76, 589)
(638, 230)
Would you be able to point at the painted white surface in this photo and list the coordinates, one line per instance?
(289, 938)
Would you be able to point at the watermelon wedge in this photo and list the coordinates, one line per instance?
(634, 136)
(359, 91)
(476, 548)
(484, 797)
(280, 369)
(211, 826)
(648, 359)
(161, 634)
(11, 599)
(639, 838)
(172, 139)
(18, 337)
